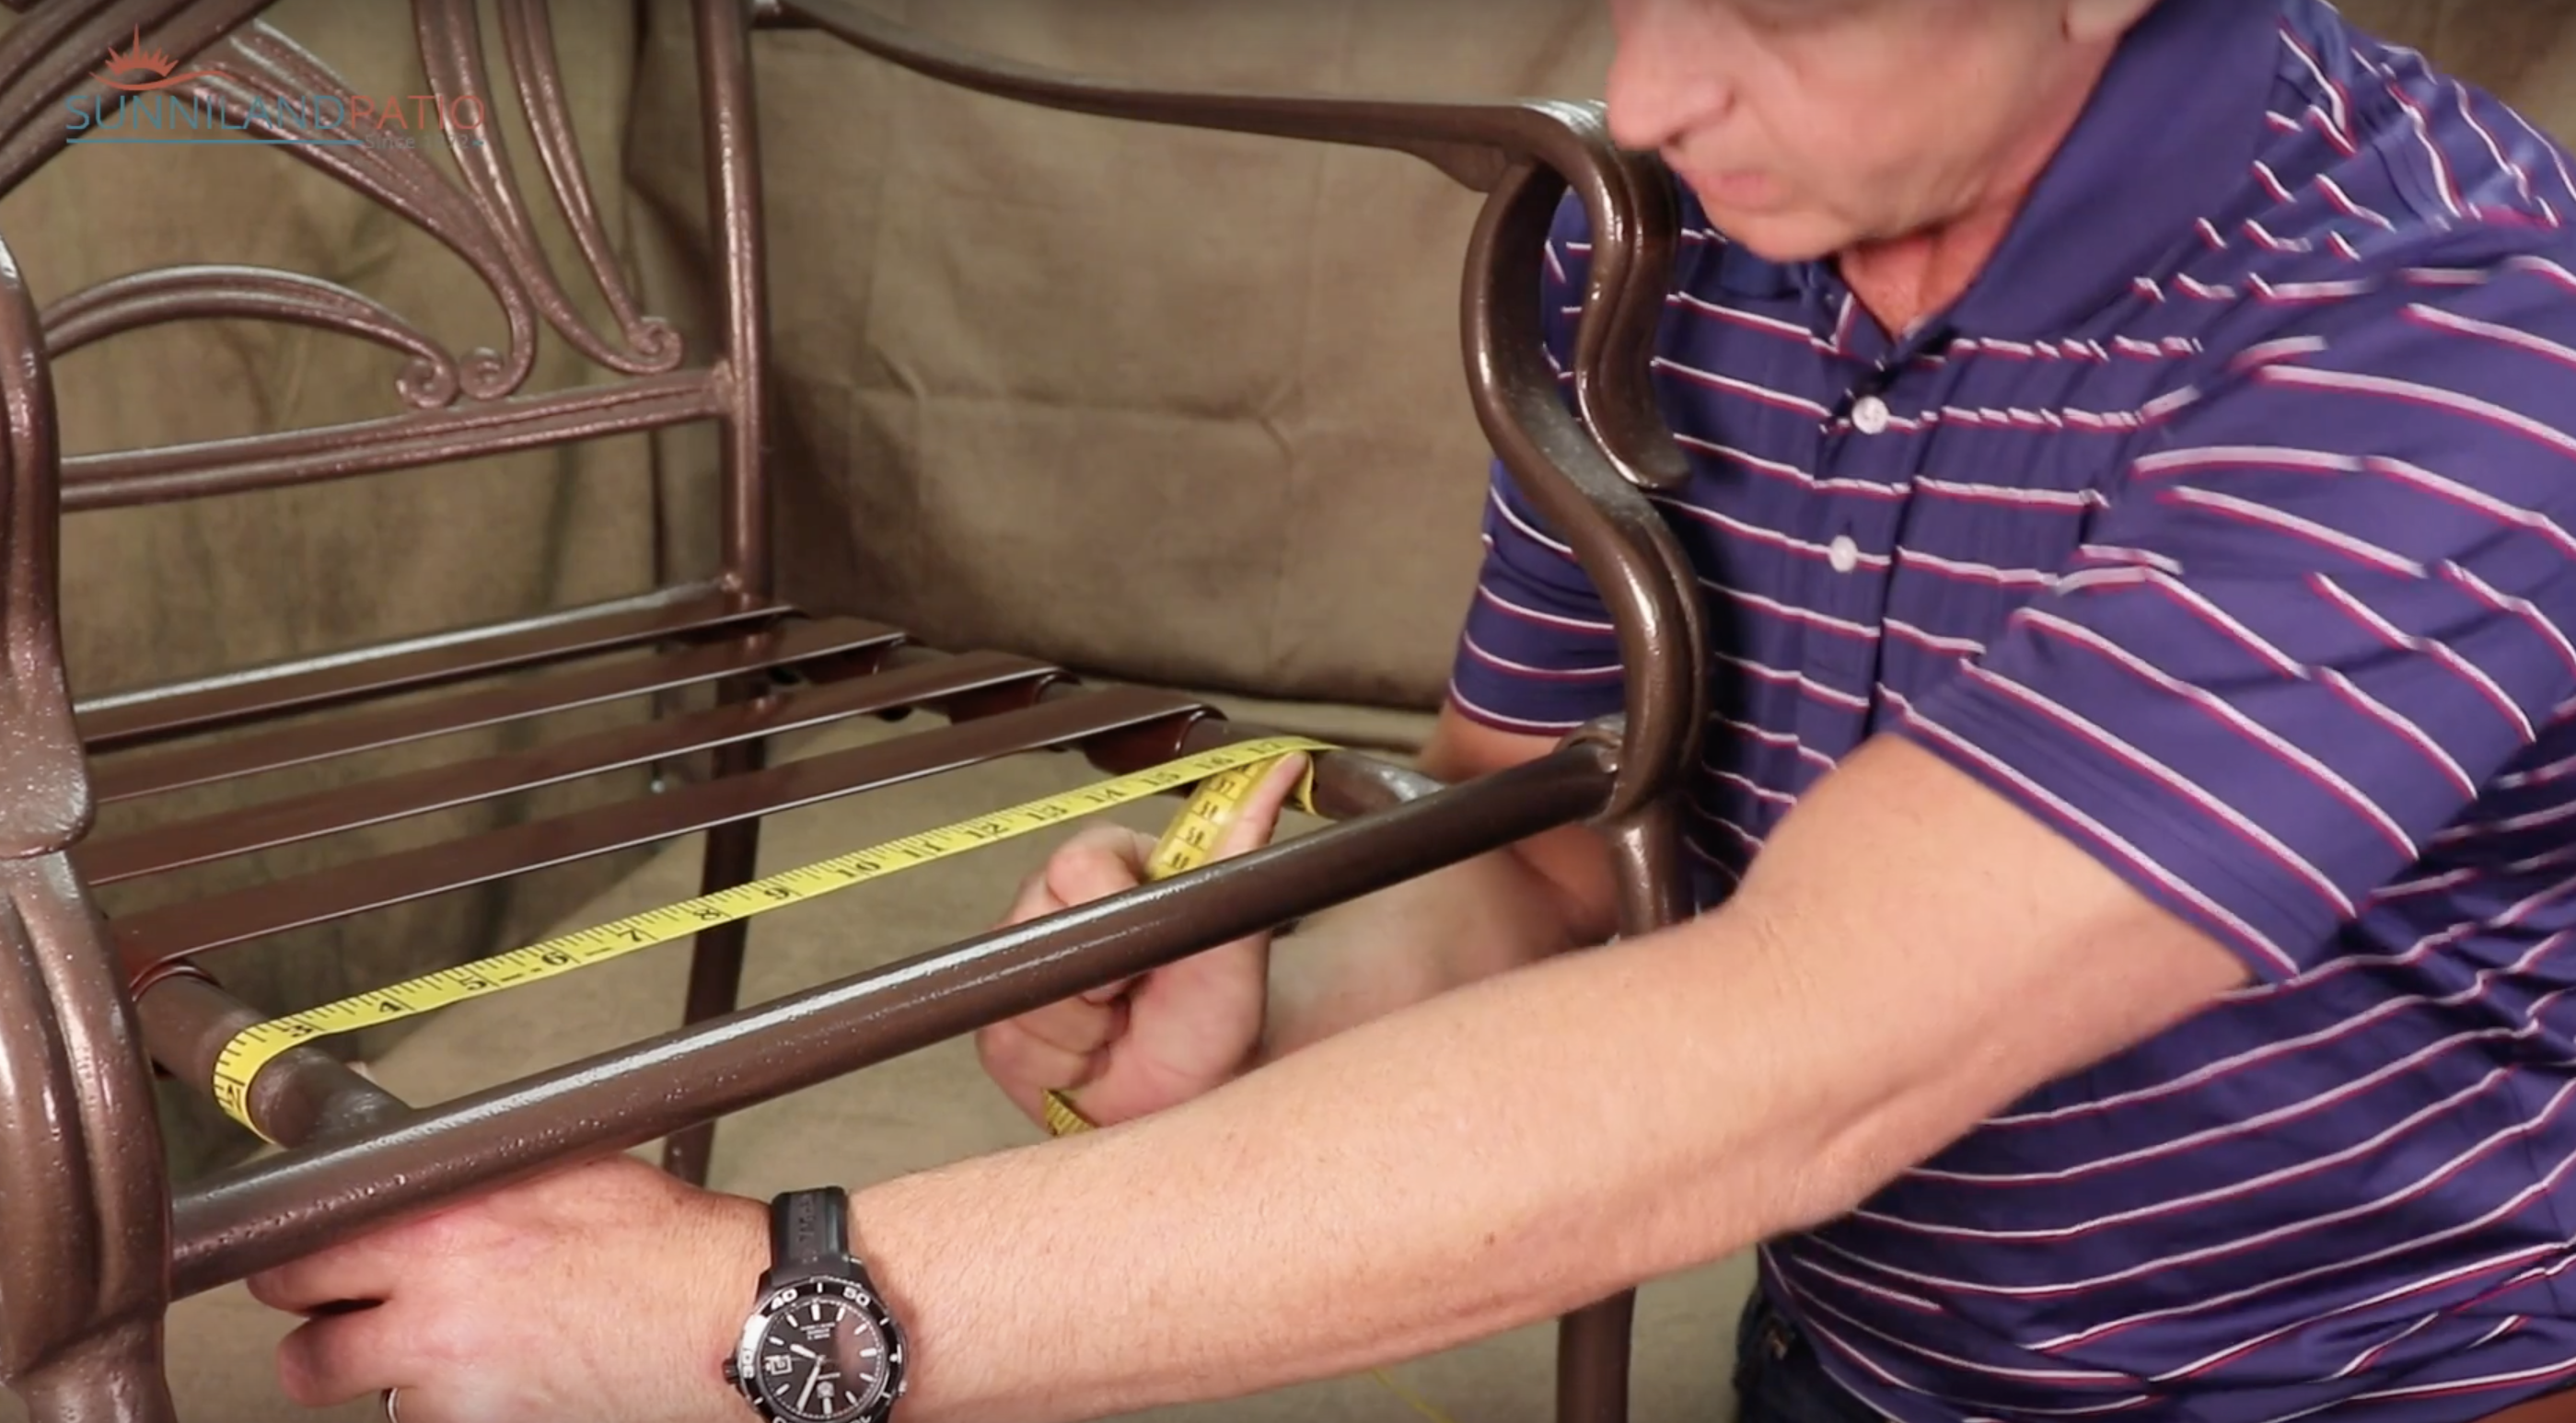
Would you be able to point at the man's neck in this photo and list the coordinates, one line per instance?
(1909, 278)
(1904, 280)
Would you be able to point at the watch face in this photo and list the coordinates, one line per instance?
(822, 1355)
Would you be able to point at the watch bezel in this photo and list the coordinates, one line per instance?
(854, 1289)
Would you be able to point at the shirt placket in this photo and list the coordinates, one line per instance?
(1862, 463)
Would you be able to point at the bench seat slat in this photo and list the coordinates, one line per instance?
(253, 698)
(150, 941)
(250, 829)
(125, 777)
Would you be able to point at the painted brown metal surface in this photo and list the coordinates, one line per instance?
(232, 704)
(84, 1200)
(306, 1095)
(86, 1222)
(675, 596)
(125, 777)
(285, 821)
(148, 942)
(115, 478)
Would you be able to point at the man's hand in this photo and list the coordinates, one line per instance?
(1147, 1043)
(605, 1291)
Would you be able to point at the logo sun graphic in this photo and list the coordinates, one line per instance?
(138, 60)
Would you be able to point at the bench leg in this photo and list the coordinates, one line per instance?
(1592, 1344)
(84, 1194)
(715, 963)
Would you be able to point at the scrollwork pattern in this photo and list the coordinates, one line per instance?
(254, 76)
(167, 294)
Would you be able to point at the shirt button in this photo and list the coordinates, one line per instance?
(1869, 415)
(1843, 554)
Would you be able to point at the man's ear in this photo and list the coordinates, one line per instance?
(2102, 21)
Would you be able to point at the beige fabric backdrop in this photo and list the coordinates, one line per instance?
(1185, 406)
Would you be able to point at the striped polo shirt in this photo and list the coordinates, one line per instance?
(2225, 525)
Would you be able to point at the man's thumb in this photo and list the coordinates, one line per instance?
(1258, 818)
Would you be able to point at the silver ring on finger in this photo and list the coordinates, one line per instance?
(393, 1410)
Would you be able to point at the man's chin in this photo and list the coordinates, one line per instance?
(1781, 237)
(1765, 221)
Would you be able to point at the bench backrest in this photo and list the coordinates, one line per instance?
(487, 160)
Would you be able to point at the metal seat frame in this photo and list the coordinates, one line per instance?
(95, 1245)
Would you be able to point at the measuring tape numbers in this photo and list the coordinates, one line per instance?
(1226, 777)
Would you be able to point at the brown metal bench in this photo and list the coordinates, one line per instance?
(93, 1244)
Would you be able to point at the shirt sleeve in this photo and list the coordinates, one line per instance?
(1537, 655)
(2320, 615)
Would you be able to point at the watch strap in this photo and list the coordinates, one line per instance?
(809, 1229)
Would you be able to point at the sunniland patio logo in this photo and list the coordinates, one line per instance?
(142, 105)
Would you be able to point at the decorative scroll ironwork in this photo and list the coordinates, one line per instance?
(196, 292)
(67, 40)
(253, 78)
(258, 76)
(452, 49)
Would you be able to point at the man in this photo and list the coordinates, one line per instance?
(2133, 487)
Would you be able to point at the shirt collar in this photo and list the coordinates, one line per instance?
(2173, 127)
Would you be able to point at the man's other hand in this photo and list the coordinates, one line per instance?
(604, 1291)
(1138, 1046)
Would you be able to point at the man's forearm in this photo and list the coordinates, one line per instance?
(1414, 1183)
(1363, 960)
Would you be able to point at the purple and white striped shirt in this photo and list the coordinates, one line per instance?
(2226, 525)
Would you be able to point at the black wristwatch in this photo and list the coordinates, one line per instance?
(820, 1346)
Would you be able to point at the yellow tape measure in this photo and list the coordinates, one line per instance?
(1229, 772)
(1186, 844)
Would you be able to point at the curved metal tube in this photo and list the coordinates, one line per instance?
(44, 789)
(1477, 144)
(191, 293)
(251, 73)
(1620, 540)
(54, 56)
(528, 29)
(305, 1096)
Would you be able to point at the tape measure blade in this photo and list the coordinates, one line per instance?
(1223, 775)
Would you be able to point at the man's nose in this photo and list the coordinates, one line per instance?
(1668, 74)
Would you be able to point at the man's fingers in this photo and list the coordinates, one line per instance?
(1025, 1065)
(1110, 992)
(1110, 859)
(353, 1272)
(342, 1356)
(1033, 901)
(1099, 862)
(1076, 1025)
